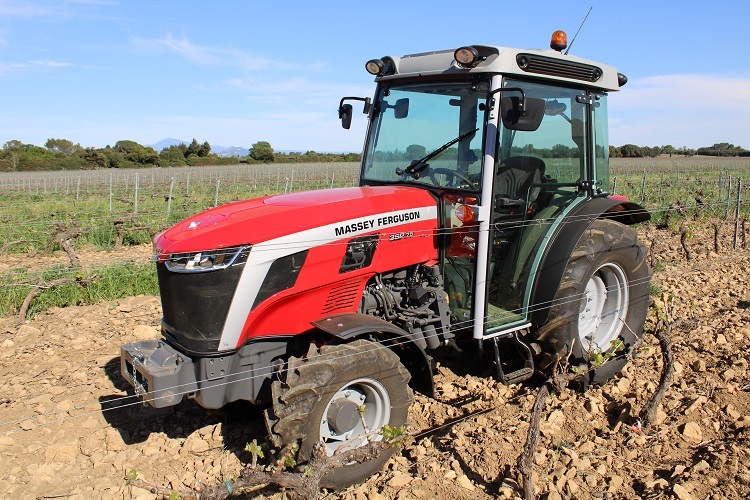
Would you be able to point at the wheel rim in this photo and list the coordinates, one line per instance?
(604, 308)
(342, 423)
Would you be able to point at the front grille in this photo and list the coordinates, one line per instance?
(195, 305)
(531, 63)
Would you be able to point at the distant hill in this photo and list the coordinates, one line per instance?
(230, 151)
(218, 150)
(165, 143)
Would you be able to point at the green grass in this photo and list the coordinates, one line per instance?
(111, 282)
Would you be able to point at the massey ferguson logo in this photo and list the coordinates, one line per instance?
(376, 223)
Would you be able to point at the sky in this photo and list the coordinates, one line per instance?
(237, 72)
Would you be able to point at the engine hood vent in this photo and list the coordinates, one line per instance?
(541, 65)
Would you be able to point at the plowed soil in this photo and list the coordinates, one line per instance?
(63, 435)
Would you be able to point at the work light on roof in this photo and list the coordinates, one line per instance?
(466, 57)
(383, 66)
(374, 66)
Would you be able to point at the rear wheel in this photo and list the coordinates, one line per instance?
(341, 395)
(600, 307)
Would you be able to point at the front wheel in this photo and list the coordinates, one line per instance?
(600, 308)
(341, 395)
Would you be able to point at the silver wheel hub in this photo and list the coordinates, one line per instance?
(604, 308)
(355, 414)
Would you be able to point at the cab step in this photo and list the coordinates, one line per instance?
(520, 357)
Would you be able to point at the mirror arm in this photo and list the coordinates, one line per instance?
(522, 106)
(366, 100)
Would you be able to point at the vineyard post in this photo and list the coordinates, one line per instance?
(729, 196)
(169, 201)
(45, 185)
(216, 197)
(614, 186)
(187, 188)
(110, 192)
(291, 182)
(643, 187)
(78, 187)
(135, 206)
(333, 174)
(661, 188)
(737, 211)
(278, 178)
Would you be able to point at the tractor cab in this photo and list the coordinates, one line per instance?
(509, 142)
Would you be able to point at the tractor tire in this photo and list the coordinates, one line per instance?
(320, 397)
(600, 307)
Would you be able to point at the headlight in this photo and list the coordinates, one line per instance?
(207, 260)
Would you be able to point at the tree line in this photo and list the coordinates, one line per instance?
(62, 154)
(633, 151)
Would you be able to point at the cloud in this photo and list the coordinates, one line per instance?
(8, 68)
(203, 55)
(683, 110)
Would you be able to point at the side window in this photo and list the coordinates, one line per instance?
(560, 140)
(601, 145)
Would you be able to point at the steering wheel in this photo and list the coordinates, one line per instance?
(450, 178)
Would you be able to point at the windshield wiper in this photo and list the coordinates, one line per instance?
(418, 166)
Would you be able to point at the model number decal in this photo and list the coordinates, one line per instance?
(400, 236)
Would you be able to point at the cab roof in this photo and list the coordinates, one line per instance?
(530, 63)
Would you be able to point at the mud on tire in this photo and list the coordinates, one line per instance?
(600, 307)
(320, 397)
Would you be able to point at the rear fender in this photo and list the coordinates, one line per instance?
(351, 326)
(557, 254)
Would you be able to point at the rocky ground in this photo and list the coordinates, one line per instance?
(62, 434)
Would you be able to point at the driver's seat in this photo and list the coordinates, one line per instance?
(518, 177)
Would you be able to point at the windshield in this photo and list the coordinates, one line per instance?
(428, 134)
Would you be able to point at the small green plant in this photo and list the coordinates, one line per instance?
(660, 316)
(175, 496)
(598, 358)
(255, 449)
(132, 475)
(655, 289)
(290, 460)
(394, 435)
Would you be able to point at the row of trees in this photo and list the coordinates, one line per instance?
(62, 154)
(633, 151)
(262, 151)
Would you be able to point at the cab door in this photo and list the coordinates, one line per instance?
(539, 177)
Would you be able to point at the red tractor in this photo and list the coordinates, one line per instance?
(482, 223)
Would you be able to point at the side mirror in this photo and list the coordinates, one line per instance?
(519, 115)
(401, 108)
(345, 110)
(345, 113)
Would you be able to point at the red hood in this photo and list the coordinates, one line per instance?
(262, 219)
